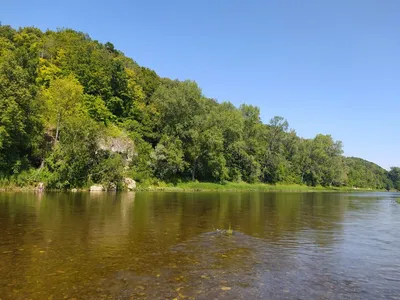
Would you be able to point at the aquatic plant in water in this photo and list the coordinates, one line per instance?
(228, 231)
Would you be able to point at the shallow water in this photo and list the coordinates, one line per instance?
(166, 246)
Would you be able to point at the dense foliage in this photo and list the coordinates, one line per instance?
(365, 174)
(64, 97)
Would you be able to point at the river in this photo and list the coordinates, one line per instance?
(164, 245)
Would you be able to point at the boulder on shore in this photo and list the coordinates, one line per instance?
(112, 187)
(40, 187)
(97, 188)
(130, 184)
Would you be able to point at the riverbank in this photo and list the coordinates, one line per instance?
(233, 186)
(210, 186)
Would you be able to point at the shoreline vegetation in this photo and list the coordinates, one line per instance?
(242, 186)
(76, 113)
(210, 187)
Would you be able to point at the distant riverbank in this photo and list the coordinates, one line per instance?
(232, 186)
(210, 186)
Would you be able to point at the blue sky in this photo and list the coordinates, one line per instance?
(329, 67)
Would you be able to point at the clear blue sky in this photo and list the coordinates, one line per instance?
(327, 66)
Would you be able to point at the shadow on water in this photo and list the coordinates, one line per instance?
(164, 245)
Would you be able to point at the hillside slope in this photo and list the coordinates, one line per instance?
(62, 95)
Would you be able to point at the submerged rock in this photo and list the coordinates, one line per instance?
(130, 184)
(224, 231)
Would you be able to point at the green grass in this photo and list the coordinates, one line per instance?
(29, 180)
(398, 200)
(240, 186)
(230, 230)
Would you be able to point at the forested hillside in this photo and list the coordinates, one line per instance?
(74, 112)
(365, 174)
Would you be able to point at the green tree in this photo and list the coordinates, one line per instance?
(64, 97)
(394, 175)
(97, 109)
(182, 108)
(253, 149)
(20, 117)
(325, 162)
(275, 165)
(75, 157)
(167, 159)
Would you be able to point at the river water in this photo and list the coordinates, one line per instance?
(172, 245)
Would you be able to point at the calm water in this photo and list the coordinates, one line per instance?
(165, 246)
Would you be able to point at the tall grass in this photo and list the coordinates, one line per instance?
(239, 186)
(26, 180)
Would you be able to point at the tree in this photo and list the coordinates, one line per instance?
(20, 117)
(182, 108)
(325, 165)
(274, 162)
(75, 157)
(97, 109)
(253, 149)
(394, 175)
(63, 99)
(167, 159)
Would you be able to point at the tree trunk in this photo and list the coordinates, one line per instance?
(58, 126)
(193, 170)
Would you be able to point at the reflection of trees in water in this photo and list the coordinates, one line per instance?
(177, 216)
(267, 215)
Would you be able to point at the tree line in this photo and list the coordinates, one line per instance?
(63, 95)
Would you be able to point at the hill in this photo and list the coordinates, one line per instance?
(76, 112)
(365, 174)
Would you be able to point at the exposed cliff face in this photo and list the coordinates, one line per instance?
(121, 144)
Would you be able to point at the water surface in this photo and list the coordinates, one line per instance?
(166, 246)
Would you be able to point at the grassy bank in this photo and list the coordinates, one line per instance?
(233, 186)
(195, 186)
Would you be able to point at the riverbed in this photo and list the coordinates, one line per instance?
(199, 245)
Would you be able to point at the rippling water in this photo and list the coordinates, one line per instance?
(166, 246)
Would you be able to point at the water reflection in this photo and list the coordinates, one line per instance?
(164, 245)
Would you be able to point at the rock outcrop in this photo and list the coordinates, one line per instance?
(122, 145)
(130, 184)
(97, 188)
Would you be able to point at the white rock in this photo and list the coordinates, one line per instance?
(130, 184)
(40, 187)
(97, 188)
